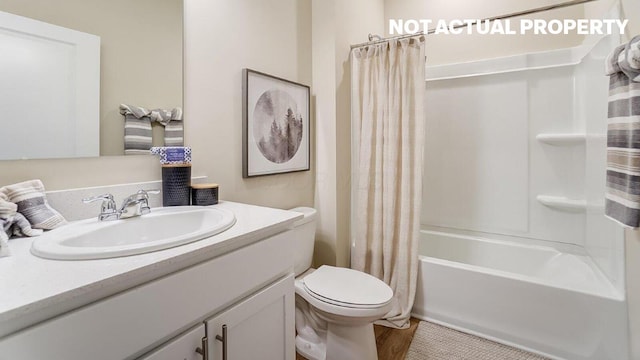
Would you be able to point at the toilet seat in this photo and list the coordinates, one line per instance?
(341, 304)
(347, 288)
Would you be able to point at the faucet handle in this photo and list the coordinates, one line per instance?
(150, 191)
(104, 197)
(108, 208)
(108, 202)
(144, 207)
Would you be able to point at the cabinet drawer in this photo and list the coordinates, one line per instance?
(131, 323)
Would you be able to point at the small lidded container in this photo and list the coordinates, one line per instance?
(204, 194)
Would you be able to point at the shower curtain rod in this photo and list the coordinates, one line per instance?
(501, 17)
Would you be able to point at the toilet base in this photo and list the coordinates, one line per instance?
(351, 342)
(342, 343)
(310, 350)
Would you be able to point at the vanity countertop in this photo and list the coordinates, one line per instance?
(33, 289)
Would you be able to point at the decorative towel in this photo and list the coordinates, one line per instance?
(7, 212)
(137, 128)
(622, 198)
(30, 198)
(173, 128)
(12, 223)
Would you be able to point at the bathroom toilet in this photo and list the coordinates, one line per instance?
(335, 307)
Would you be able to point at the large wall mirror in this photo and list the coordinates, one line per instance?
(139, 59)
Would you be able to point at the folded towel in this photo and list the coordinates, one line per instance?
(137, 128)
(12, 223)
(137, 134)
(625, 59)
(7, 211)
(174, 129)
(31, 200)
(622, 196)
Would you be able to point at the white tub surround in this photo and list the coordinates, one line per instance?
(36, 289)
(515, 245)
(526, 154)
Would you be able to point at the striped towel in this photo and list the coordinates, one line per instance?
(12, 223)
(173, 128)
(137, 128)
(31, 201)
(622, 198)
(7, 212)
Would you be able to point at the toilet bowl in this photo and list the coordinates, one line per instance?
(335, 307)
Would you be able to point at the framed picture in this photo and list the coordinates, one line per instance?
(275, 129)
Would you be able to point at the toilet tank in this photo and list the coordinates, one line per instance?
(304, 231)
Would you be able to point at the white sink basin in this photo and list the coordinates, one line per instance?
(161, 229)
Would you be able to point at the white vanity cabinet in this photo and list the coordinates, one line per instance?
(261, 327)
(249, 289)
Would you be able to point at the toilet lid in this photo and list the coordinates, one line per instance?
(347, 286)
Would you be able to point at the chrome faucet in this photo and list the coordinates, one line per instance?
(134, 205)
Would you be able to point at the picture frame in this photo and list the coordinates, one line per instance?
(276, 125)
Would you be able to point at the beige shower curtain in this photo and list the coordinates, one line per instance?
(387, 82)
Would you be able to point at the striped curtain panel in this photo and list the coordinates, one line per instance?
(387, 115)
(622, 199)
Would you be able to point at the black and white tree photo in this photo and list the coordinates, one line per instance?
(277, 126)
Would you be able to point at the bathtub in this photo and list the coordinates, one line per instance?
(536, 298)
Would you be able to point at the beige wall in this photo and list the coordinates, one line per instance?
(324, 87)
(633, 289)
(140, 53)
(336, 25)
(221, 37)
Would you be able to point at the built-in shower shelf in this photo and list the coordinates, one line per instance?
(562, 203)
(562, 139)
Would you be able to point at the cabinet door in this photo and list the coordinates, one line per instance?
(181, 348)
(260, 327)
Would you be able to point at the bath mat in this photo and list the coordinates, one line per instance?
(435, 342)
